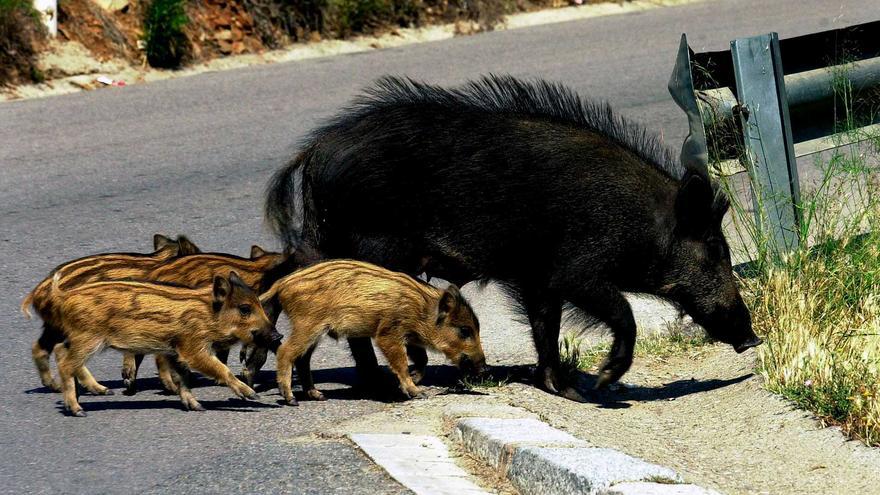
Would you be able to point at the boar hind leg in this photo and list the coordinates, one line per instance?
(130, 365)
(304, 370)
(206, 363)
(395, 352)
(292, 349)
(42, 350)
(72, 357)
(181, 377)
(165, 367)
(82, 374)
(610, 306)
(545, 317)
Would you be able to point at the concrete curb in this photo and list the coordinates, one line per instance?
(540, 459)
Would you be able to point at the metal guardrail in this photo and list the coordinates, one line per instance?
(755, 115)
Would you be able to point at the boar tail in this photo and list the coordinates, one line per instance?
(281, 203)
(26, 304)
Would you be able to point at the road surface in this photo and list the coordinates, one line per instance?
(104, 170)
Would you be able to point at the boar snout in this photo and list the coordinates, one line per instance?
(753, 341)
(267, 337)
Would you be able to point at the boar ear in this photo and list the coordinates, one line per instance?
(187, 246)
(222, 289)
(161, 242)
(448, 302)
(257, 252)
(693, 205)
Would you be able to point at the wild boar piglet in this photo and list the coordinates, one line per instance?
(345, 298)
(198, 271)
(151, 318)
(108, 266)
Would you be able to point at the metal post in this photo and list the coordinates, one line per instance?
(767, 138)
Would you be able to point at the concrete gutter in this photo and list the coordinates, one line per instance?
(540, 459)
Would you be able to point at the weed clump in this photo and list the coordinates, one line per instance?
(21, 34)
(167, 46)
(818, 308)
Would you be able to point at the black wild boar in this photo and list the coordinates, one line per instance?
(526, 183)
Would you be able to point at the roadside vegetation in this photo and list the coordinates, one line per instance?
(165, 42)
(575, 356)
(818, 308)
(21, 36)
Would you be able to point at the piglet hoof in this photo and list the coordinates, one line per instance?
(129, 390)
(315, 394)
(291, 401)
(53, 385)
(193, 405)
(572, 394)
(247, 377)
(106, 391)
(79, 413)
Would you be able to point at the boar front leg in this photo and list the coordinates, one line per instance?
(206, 363)
(72, 357)
(181, 377)
(609, 305)
(545, 316)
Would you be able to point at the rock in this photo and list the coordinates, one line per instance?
(112, 5)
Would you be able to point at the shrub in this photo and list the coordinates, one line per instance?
(167, 46)
(21, 33)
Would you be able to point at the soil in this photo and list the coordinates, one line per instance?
(707, 416)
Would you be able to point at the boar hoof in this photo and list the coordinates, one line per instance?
(129, 389)
(612, 370)
(193, 405)
(315, 394)
(106, 391)
(78, 414)
(291, 401)
(548, 380)
(53, 385)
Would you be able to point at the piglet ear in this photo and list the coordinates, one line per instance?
(222, 290)
(161, 242)
(448, 301)
(257, 252)
(187, 246)
(693, 205)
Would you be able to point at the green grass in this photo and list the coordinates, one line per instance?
(166, 43)
(574, 356)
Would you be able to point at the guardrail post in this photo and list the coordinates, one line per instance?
(767, 138)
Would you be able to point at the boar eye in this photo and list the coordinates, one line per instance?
(245, 309)
(465, 332)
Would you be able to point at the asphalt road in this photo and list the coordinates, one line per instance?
(103, 171)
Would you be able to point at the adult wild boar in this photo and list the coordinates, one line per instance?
(526, 183)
